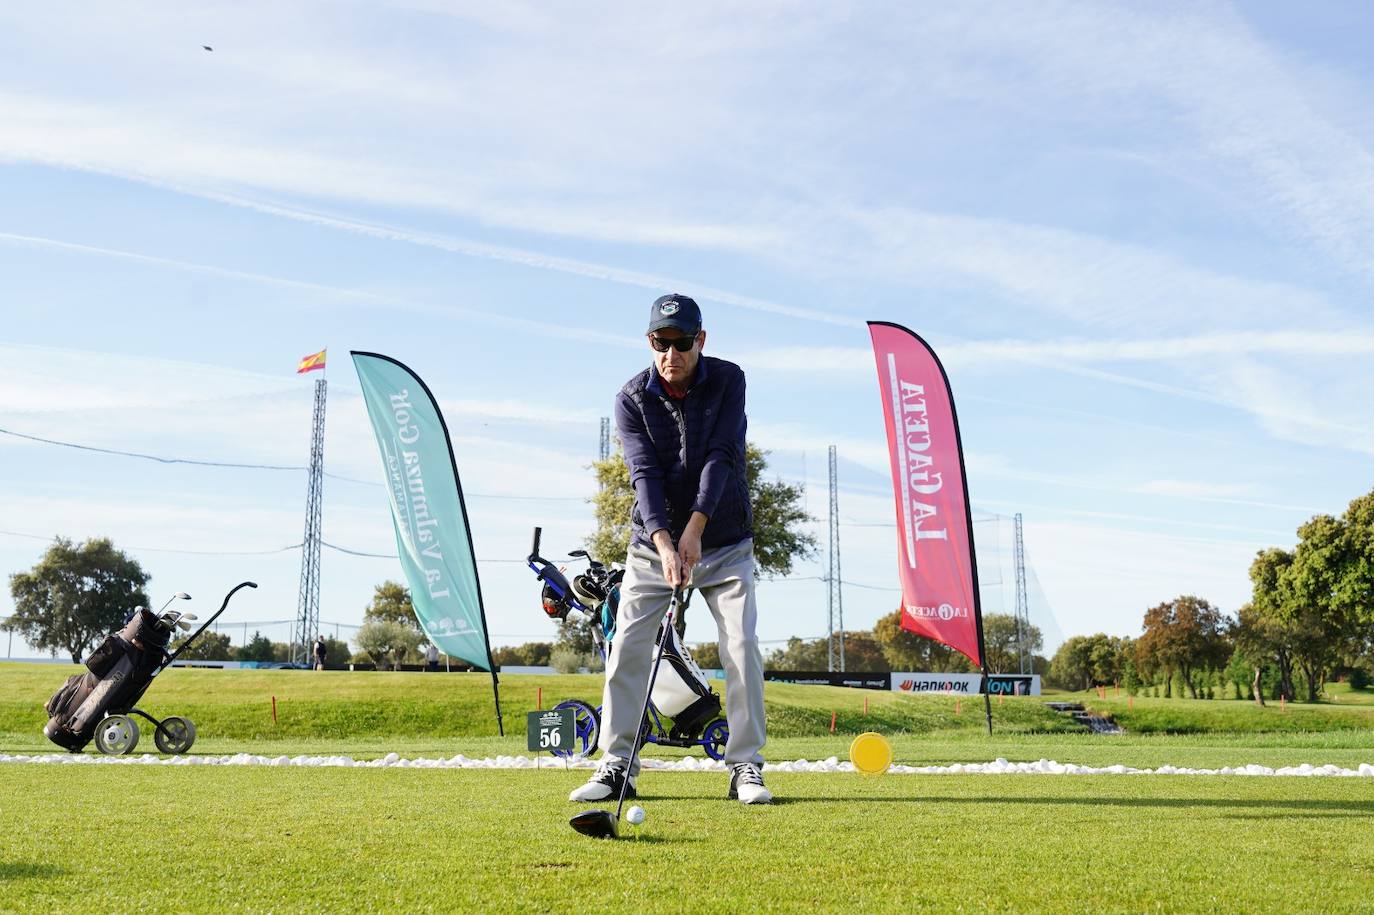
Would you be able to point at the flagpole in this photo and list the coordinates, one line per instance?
(972, 545)
(472, 551)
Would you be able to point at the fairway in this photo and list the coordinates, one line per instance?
(290, 839)
(258, 838)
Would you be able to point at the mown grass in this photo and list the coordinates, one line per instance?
(273, 839)
(1145, 715)
(237, 704)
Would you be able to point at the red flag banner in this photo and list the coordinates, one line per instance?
(935, 558)
(311, 363)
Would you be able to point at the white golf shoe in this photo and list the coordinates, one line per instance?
(746, 785)
(605, 783)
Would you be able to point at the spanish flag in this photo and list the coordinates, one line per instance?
(310, 363)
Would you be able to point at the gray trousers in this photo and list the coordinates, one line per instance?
(725, 579)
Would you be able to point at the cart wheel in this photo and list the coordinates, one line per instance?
(175, 736)
(116, 735)
(715, 737)
(586, 728)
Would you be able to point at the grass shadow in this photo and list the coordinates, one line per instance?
(28, 870)
(1312, 806)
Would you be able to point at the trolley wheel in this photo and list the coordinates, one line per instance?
(175, 735)
(116, 735)
(714, 738)
(586, 728)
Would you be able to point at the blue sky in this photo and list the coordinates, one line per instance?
(1139, 235)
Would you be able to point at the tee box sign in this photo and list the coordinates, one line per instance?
(550, 730)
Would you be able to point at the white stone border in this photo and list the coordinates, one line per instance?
(998, 766)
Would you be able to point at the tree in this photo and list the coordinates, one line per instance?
(1085, 661)
(863, 653)
(74, 596)
(779, 519)
(211, 646)
(530, 654)
(1186, 635)
(386, 640)
(391, 603)
(336, 651)
(1265, 625)
(707, 656)
(905, 650)
(258, 648)
(1109, 657)
(1000, 646)
(1320, 599)
(1072, 667)
(799, 654)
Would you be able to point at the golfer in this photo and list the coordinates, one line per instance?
(682, 424)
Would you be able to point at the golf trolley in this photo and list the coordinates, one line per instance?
(684, 710)
(100, 704)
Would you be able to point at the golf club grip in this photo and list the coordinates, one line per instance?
(206, 625)
(534, 547)
(649, 693)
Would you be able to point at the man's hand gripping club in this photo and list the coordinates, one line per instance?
(679, 560)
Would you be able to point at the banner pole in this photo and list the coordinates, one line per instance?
(987, 699)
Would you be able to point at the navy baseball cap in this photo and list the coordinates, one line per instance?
(676, 311)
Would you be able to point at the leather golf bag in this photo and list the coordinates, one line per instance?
(117, 674)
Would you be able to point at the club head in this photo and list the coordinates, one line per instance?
(183, 625)
(189, 616)
(599, 824)
(181, 595)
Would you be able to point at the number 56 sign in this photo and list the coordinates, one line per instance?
(551, 730)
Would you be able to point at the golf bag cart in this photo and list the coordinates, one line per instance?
(684, 710)
(100, 704)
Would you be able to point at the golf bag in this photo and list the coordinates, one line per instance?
(681, 691)
(119, 672)
(99, 703)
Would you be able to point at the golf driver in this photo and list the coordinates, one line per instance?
(602, 824)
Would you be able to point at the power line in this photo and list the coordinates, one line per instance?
(155, 549)
(147, 457)
(162, 459)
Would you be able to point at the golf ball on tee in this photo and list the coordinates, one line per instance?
(635, 815)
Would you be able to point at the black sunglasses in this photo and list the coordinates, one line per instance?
(681, 344)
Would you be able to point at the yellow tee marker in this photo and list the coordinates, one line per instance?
(870, 753)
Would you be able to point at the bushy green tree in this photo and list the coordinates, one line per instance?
(1071, 667)
(258, 648)
(862, 653)
(1000, 642)
(212, 646)
(387, 642)
(391, 603)
(707, 655)
(75, 596)
(1187, 635)
(799, 654)
(780, 536)
(905, 650)
(530, 654)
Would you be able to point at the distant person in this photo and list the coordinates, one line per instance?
(682, 423)
(321, 652)
(431, 657)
